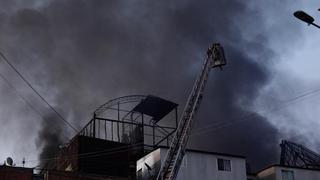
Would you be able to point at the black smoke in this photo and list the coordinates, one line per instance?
(81, 53)
(233, 128)
(49, 140)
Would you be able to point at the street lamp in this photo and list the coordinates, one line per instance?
(305, 18)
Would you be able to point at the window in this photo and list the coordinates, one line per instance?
(224, 165)
(287, 175)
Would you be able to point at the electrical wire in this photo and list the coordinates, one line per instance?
(24, 99)
(35, 91)
(251, 116)
(212, 127)
(82, 156)
(92, 154)
(199, 131)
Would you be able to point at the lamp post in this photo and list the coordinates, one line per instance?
(301, 15)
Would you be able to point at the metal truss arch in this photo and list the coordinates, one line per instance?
(116, 101)
(296, 155)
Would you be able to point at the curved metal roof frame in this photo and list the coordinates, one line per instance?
(119, 100)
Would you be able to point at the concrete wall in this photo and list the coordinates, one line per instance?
(15, 173)
(267, 174)
(153, 161)
(120, 164)
(195, 166)
(50, 175)
(275, 173)
(299, 173)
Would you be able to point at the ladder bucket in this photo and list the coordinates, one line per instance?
(216, 53)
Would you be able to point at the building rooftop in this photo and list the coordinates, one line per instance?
(15, 168)
(284, 166)
(211, 152)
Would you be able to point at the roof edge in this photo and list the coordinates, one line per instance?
(285, 166)
(211, 152)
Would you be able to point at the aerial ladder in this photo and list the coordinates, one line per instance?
(172, 161)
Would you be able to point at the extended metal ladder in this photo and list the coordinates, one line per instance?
(171, 164)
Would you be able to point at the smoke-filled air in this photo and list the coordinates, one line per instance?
(79, 54)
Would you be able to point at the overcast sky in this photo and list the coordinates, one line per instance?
(78, 55)
(296, 73)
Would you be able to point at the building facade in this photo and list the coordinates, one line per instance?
(195, 165)
(278, 172)
(12, 173)
(21, 173)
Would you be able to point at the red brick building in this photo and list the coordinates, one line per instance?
(20, 173)
(52, 175)
(15, 173)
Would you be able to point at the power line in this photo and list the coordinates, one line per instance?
(198, 131)
(24, 99)
(93, 153)
(29, 104)
(209, 128)
(251, 116)
(35, 91)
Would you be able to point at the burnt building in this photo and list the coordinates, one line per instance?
(121, 131)
(22, 173)
(56, 175)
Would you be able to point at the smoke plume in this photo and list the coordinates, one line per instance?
(49, 140)
(81, 53)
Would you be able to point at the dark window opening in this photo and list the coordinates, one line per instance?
(224, 165)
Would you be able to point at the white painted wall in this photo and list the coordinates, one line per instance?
(275, 173)
(196, 166)
(267, 174)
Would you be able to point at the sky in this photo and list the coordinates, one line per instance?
(79, 54)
